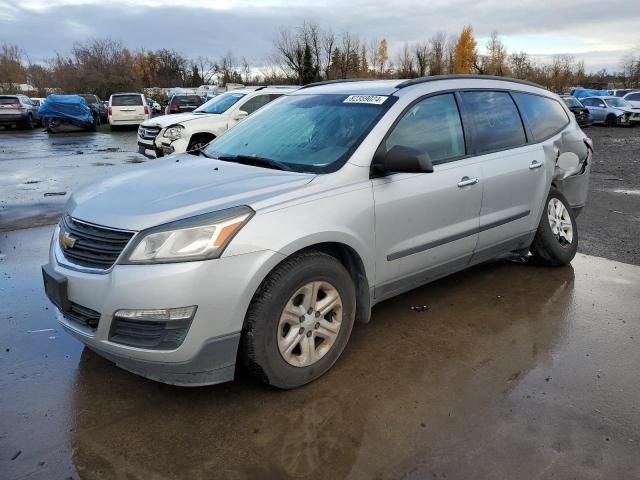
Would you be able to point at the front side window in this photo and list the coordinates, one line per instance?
(431, 126)
(633, 96)
(618, 102)
(220, 104)
(307, 133)
(254, 103)
(495, 120)
(544, 115)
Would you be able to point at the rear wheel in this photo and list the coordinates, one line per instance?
(299, 321)
(611, 120)
(28, 123)
(556, 240)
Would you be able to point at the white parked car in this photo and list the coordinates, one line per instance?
(127, 109)
(189, 132)
(633, 98)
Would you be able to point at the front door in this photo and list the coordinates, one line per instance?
(426, 223)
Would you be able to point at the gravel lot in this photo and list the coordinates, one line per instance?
(610, 224)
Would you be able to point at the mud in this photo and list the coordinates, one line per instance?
(512, 372)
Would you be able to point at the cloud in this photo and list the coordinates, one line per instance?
(599, 34)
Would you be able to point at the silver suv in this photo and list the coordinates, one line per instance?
(263, 251)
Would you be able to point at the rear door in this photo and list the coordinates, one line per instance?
(127, 107)
(514, 176)
(426, 223)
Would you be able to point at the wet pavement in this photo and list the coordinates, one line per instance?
(38, 170)
(513, 372)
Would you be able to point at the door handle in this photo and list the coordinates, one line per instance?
(535, 164)
(466, 181)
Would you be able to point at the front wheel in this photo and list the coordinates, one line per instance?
(299, 321)
(611, 120)
(556, 240)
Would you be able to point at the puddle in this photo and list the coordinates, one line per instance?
(627, 192)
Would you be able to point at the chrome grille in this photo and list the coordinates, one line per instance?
(90, 245)
(148, 133)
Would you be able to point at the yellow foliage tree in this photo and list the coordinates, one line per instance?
(464, 56)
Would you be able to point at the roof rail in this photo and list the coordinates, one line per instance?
(330, 82)
(435, 78)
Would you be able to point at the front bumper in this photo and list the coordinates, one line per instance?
(222, 289)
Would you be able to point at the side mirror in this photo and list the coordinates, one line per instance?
(403, 159)
(241, 115)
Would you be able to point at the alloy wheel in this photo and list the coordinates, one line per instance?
(309, 324)
(560, 222)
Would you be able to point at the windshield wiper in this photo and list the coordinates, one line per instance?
(255, 161)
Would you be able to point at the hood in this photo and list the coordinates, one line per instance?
(164, 121)
(178, 187)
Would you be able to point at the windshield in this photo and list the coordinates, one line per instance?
(572, 102)
(617, 102)
(307, 133)
(220, 104)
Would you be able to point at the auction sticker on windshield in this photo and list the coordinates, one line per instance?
(369, 99)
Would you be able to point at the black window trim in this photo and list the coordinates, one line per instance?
(380, 151)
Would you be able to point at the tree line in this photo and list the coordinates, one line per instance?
(301, 55)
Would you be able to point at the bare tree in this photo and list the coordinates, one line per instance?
(422, 53)
(437, 59)
(405, 62)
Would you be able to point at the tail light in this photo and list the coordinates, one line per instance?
(589, 143)
(109, 111)
(173, 107)
(146, 110)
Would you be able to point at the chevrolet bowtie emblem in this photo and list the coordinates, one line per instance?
(66, 240)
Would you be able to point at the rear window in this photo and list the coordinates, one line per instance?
(544, 115)
(495, 120)
(126, 100)
(9, 100)
(90, 99)
(187, 100)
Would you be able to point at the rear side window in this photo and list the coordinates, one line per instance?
(545, 116)
(126, 100)
(431, 126)
(495, 120)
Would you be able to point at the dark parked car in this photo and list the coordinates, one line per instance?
(583, 117)
(182, 103)
(18, 110)
(94, 103)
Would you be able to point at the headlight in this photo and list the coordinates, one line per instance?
(197, 238)
(174, 132)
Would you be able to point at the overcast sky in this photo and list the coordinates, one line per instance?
(599, 32)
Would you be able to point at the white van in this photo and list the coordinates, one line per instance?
(127, 109)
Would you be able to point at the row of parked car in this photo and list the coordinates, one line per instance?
(610, 110)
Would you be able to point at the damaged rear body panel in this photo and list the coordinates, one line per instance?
(573, 167)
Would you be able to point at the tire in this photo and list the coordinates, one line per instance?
(28, 123)
(197, 142)
(555, 249)
(611, 120)
(113, 128)
(267, 326)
